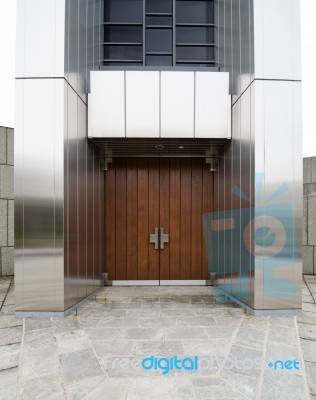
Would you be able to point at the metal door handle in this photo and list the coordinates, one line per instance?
(154, 238)
(164, 238)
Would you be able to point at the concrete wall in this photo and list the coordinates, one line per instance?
(309, 217)
(6, 202)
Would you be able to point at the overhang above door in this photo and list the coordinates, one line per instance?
(159, 104)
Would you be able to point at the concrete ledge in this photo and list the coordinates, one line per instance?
(55, 314)
(261, 313)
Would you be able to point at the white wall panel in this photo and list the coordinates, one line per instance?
(142, 104)
(212, 105)
(177, 104)
(277, 39)
(40, 38)
(107, 118)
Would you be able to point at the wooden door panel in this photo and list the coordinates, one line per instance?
(144, 194)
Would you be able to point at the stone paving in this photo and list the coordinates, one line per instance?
(96, 353)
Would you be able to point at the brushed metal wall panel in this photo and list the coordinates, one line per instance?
(40, 38)
(82, 200)
(212, 105)
(277, 38)
(236, 49)
(42, 108)
(82, 49)
(97, 224)
(246, 47)
(19, 195)
(228, 44)
(177, 104)
(142, 104)
(107, 117)
(73, 43)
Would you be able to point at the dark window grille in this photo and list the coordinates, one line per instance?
(159, 33)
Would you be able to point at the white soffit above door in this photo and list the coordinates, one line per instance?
(153, 104)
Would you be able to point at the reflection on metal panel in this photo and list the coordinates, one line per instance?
(107, 104)
(177, 104)
(142, 104)
(212, 105)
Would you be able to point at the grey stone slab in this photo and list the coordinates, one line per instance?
(128, 367)
(244, 361)
(3, 145)
(9, 356)
(7, 310)
(288, 322)
(311, 230)
(308, 259)
(11, 223)
(10, 335)
(122, 322)
(114, 389)
(178, 313)
(215, 389)
(103, 333)
(7, 260)
(9, 300)
(8, 384)
(206, 347)
(141, 334)
(309, 350)
(34, 324)
(280, 334)
(307, 298)
(66, 324)
(71, 341)
(250, 338)
(157, 322)
(313, 169)
(142, 313)
(257, 323)
(80, 365)
(309, 188)
(48, 388)
(39, 363)
(9, 321)
(310, 307)
(181, 333)
(221, 332)
(40, 339)
(311, 376)
(307, 331)
(305, 222)
(158, 348)
(10, 146)
(110, 347)
(78, 390)
(196, 321)
(228, 321)
(282, 385)
(307, 170)
(307, 318)
(6, 182)
(248, 386)
(3, 225)
(157, 388)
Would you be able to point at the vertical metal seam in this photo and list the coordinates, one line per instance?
(144, 32)
(194, 102)
(125, 102)
(174, 32)
(159, 104)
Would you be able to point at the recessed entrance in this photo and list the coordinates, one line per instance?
(144, 196)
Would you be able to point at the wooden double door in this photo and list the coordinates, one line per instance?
(142, 194)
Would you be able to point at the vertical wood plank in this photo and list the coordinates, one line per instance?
(175, 231)
(143, 213)
(186, 190)
(109, 222)
(154, 208)
(131, 219)
(208, 202)
(196, 231)
(164, 216)
(120, 211)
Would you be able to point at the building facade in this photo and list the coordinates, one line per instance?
(157, 143)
